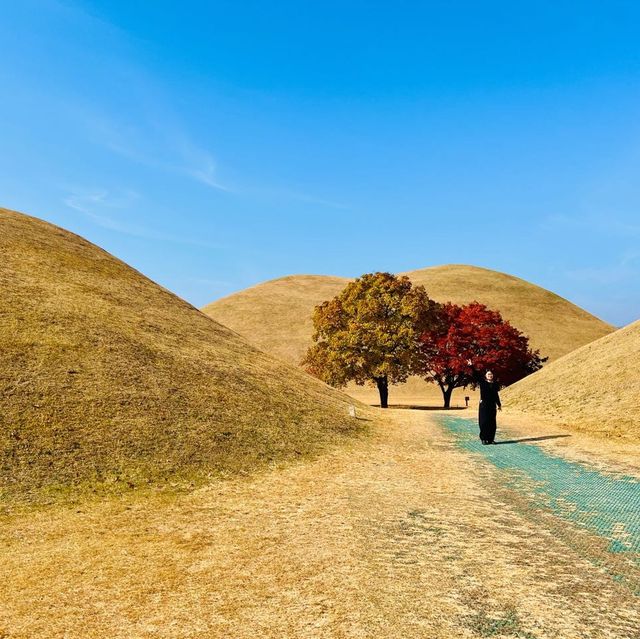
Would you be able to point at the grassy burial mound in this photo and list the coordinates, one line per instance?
(108, 379)
(595, 388)
(275, 316)
(554, 325)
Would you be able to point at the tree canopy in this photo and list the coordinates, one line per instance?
(371, 332)
(469, 340)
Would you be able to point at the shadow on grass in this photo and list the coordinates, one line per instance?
(508, 625)
(420, 407)
(530, 439)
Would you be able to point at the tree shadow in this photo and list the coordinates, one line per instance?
(530, 439)
(421, 407)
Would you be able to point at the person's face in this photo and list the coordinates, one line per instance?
(489, 376)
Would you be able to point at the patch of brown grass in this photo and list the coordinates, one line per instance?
(109, 381)
(276, 316)
(400, 534)
(595, 388)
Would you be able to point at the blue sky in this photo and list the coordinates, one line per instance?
(214, 145)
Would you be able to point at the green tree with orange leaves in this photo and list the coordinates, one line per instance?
(370, 333)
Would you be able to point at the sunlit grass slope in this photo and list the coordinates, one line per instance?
(276, 315)
(595, 388)
(554, 325)
(107, 379)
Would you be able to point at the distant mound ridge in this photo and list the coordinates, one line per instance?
(554, 325)
(108, 379)
(595, 388)
(276, 316)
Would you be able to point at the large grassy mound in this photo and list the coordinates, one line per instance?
(107, 379)
(595, 388)
(276, 315)
(554, 325)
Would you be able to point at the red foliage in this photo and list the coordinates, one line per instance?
(470, 340)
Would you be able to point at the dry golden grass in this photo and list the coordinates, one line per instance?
(109, 381)
(608, 454)
(400, 534)
(554, 325)
(276, 316)
(595, 388)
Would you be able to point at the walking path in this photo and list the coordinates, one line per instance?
(415, 531)
(549, 486)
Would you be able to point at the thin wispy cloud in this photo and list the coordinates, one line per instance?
(85, 200)
(90, 202)
(298, 196)
(201, 166)
(311, 199)
(627, 268)
(211, 282)
(145, 126)
(609, 224)
(158, 143)
(139, 119)
(101, 207)
(624, 229)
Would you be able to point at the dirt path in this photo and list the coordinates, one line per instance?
(405, 534)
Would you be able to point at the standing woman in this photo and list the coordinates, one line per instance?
(489, 403)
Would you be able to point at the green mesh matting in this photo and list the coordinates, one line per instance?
(606, 504)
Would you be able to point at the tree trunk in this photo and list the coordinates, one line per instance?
(446, 393)
(383, 388)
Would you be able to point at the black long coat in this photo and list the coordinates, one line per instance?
(489, 401)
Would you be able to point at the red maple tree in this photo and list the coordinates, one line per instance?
(469, 340)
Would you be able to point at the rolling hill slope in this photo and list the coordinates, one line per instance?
(595, 388)
(107, 379)
(555, 325)
(275, 316)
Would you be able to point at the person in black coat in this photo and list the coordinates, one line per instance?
(489, 404)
